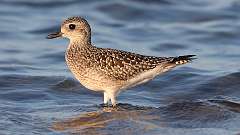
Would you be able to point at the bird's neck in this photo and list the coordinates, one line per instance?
(80, 40)
(79, 44)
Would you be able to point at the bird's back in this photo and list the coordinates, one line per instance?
(124, 65)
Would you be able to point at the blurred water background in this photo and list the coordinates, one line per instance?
(39, 95)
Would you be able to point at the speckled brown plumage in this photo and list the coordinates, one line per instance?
(105, 69)
(115, 64)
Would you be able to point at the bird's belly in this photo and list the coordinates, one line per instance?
(94, 80)
(93, 83)
(90, 79)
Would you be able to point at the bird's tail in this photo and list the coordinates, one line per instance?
(183, 59)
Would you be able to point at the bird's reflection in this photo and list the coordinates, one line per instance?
(129, 119)
(108, 117)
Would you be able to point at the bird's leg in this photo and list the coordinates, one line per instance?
(112, 96)
(106, 98)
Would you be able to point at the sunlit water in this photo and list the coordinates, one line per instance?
(38, 94)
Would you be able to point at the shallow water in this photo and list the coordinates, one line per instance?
(39, 95)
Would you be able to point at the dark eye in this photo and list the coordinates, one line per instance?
(72, 26)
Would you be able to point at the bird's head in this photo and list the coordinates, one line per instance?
(75, 29)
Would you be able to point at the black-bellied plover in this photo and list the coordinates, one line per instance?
(109, 70)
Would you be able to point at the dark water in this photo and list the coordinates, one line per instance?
(38, 94)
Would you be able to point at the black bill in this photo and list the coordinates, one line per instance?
(54, 35)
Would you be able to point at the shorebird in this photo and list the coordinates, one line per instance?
(109, 70)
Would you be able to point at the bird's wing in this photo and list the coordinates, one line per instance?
(125, 65)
